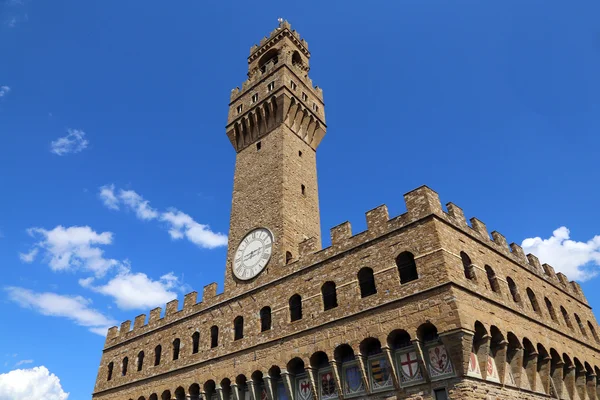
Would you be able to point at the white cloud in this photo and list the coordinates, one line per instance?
(72, 248)
(29, 257)
(136, 290)
(137, 203)
(179, 224)
(572, 258)
(182, 225)
(34, 383)
(73, 142)
(107, 195)
(4, 90)
(75, 308)
(23, 362)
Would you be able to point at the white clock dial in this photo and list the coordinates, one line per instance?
(253, 254)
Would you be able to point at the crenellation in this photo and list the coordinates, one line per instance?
(209, 292)
(378, 218)
(190, 300)
(457, 213)
(534, 263)
(154, 316)
(479, 227)
(112, 334)
(340, 233)
(125, 328)
(550, 272)
(172, 308)
(139, 321)
(500, 240)
(422, 202)
(562, 278)
(518, 252)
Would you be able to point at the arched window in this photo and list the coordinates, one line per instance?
(110, 371)
(514, 292)
(238, 328)
(581, 328)
(195, 342)
(566, 317)
(265, 319)
(407, 267)
(214, 336)
(467, 265)
(492, 278)
(550, 308)
(594, 334)
(125, 365)
(533, 301)
(288, 257)
(329, 295)
(427, 332)
(366, 281)
(176, 346)
(157, 351)
(140, 360)
(295, 307)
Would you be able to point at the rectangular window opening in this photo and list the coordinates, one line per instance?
(271, 86)
(304, 96)
(293, 85)
(440, 394)
(254, 98)
(258, 146)
(239, 109)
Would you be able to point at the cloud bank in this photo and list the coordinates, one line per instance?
(75, 247)
(179, 224)
(74, 308)
(577, 260)
(34, 383)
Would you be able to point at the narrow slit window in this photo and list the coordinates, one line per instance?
(240, 108)
(254, 98)
(110, 371)
(295, 307)
(271, 86)
(140, 360)
(303, 189)
(304, 96)
(265, 319)
(258, 146)
(329, 293)
(176, 347)
(293, 85)
(195, 342)
(214, 337)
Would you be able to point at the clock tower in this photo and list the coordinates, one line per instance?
(275, 124)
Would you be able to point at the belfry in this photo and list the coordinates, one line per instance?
(422, 306)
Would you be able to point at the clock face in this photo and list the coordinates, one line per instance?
(253, 254)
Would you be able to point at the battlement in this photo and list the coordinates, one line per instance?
(283, 46)
(420, 203)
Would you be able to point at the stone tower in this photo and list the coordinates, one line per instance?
(275, 125)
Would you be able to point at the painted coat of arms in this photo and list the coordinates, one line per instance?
(303, 389)
(492, 370)
(439, 361)
(327, 386)
(409, 367)
(474, 369)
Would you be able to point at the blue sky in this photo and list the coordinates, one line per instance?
(495, 105)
